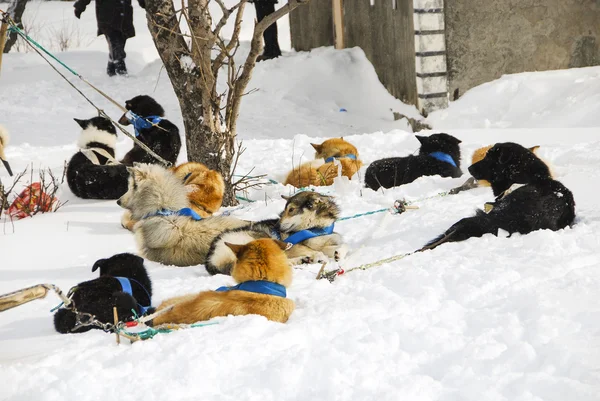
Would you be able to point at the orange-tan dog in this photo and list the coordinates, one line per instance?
(323, 170)
(205, 190)
(263, 273)
(478, 155)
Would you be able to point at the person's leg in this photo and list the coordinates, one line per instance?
(110, 67)
(272, 50)
(119, 53)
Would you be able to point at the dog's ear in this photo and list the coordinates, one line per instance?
(455, 139)
(422, 139)
(235, 248)
(342, 138)
(82, 123)
(136, 173)
(317, 147)
(505, 156)
(283, 245)
(97, 265)
(534, 148)
(287, 198)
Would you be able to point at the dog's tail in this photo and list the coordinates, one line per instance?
(469, 227)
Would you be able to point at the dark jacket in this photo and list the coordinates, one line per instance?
(111, 15)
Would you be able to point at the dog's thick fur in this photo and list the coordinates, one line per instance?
(204, 188)
(100, 295)
(262, 259)
(541, 203)
(320, 173)
(4, 139)
(163, 139)
(96, 181)
(170, 240)
(396, 171)
(304, 210)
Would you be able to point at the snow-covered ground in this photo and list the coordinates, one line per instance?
(487, 319)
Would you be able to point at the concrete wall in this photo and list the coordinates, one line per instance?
(488, 38)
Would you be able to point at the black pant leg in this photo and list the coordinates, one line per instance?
(264, 8)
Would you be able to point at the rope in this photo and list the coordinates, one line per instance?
(333, 274)
(33, 44)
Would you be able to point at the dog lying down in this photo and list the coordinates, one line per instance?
(168, 232)
(262, 272)
(527, 198)
(123, 282)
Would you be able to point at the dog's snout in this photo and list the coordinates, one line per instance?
(124, 120)
(119, 202)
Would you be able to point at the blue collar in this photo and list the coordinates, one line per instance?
(332, 158)
(186, 211)
(126, 287)
(443, 157)
(259, 287)
(303, 235)
(140, 123)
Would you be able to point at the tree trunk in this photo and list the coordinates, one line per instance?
(15, 10)
(207, 139)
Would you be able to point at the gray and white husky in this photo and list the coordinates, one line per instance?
(306, 223)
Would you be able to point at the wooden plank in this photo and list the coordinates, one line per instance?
(338, 23)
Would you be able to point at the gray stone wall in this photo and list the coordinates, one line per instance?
(488, 38)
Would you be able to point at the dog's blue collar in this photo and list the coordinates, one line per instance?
(126, 287)
(259, 287)
(332, 158)
(140, 123)
(303, 235)
(443, 157)
(186, 211)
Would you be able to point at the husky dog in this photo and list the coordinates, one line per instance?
(123, 282)
(4, 138)
(156, 132)
(204, 188)
(478, 155)
(262, 272)
(323, 170)
(538, 202)
(439, 155)
(167, 230)
(93, 172)
(306, 223)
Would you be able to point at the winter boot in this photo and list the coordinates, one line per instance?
(110, 69)
(120, 68)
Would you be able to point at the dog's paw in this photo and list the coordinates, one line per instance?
(317, 257)
(340, 253)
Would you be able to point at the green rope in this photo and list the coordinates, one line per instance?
(150, 332)
(244, 199)
(16, 29)
(362, 214)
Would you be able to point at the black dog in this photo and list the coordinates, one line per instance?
(439, 155)
(123, 282)
(92, 172)
(541, 203)
(159, 134)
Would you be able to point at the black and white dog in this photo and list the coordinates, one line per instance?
(156, 132)
(93, 172)
(527, 198)
(123, 283)
(439, 155)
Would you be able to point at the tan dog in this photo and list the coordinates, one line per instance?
(156, 199)
(204, 188)
(323, 170)
(4, 138)
(478, 155)
(262, 260)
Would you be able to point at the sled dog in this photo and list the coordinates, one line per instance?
(4, 138)
(527, 198)
(306, 222)
(323, 170)
(262, 272)
(439, 155)
(168, 231)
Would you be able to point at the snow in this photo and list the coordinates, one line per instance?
(491, 318)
